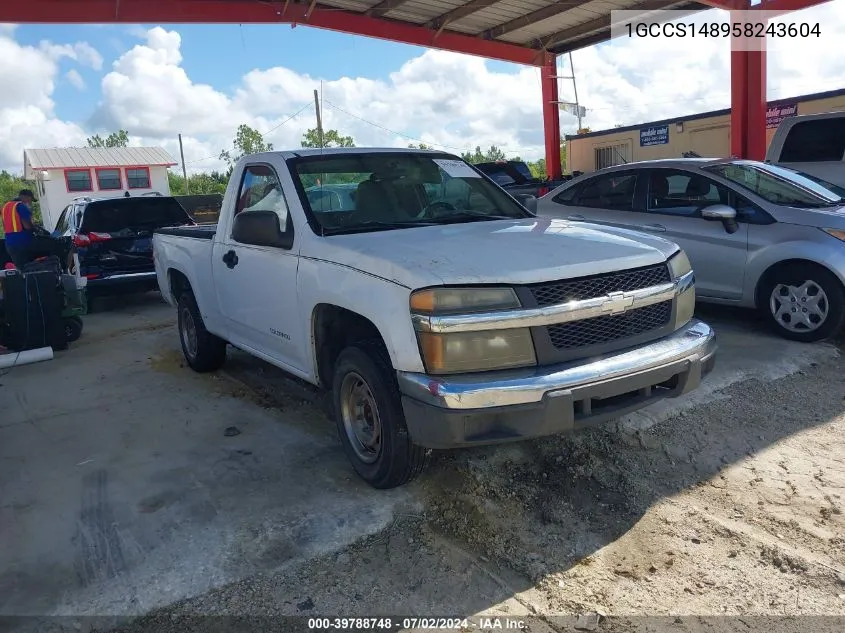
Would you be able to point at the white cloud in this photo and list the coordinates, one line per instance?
(26, 105)
(450, 100)
(75, 79)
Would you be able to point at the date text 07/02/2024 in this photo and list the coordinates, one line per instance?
(722, 29)
(415, 624)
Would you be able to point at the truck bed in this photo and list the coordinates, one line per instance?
(200, 232)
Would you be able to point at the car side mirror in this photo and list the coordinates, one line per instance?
(261, 228)
(528, 201)
(722, 213)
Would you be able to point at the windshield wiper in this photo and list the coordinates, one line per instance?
(464, 216)
(374, 224)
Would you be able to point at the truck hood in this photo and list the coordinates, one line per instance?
(492, 252)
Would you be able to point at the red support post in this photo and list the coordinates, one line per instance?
(756, 104)
(748, 100)
(739, 101)
(551, 116)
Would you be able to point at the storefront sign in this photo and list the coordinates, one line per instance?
(654, 135)
(776, 114)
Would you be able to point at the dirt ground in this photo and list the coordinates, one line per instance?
(731, 507)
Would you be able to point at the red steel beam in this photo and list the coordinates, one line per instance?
(551, 116)
(787, 5)
(239, 12)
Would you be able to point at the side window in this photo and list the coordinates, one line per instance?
(566, 196)
(815, 141)
(683, 193)
(62, 223)
(608, 191)
(261, 190)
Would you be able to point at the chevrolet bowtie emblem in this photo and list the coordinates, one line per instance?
(617, 303)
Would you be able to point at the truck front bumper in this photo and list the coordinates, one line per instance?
(504, 406)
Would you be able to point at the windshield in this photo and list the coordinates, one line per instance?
(780, 185)
(391, 190)
(133, 215)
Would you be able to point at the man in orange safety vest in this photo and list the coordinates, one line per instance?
(21, 242)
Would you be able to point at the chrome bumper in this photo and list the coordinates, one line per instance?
(450, 411)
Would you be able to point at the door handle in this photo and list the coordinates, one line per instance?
(230, 259)
(576, 218)
(654, 228)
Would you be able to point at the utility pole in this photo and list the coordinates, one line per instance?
(575, 89)
(319, 118)
(184, 169)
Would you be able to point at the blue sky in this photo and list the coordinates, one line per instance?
(220, 54)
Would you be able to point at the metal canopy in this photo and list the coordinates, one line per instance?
(521, 31)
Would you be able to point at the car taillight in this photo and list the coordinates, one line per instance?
(543, 191)
(86, 239)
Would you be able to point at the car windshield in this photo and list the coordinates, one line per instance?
(391, 190)
(780, 185)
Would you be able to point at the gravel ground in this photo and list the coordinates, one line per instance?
(730, 508)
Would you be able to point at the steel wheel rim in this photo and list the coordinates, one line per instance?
(800, 308)
(360, 416)
(189, 333)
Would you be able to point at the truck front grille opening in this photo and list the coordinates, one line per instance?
(608, 328)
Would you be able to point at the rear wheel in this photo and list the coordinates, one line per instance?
(370, 420)
(203, 350)
(803, 302)
(73, 328)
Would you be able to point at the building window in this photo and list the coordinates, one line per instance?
(821, 140)
(78, 179)
(612, 155)
(108, 179)
(138, 177)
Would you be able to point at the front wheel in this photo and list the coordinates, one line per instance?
(370, 420)
(203, 351)
(803, 302)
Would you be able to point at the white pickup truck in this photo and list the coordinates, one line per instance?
(438, 310)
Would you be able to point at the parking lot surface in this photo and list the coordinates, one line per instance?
(124, 489)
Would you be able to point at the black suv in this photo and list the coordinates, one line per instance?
(113, 239)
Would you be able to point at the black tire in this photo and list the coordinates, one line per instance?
(203, 351)
(397, 459)
(73, 328)
(796, 276)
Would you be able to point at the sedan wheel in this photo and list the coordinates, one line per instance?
(801, 308)
(804, 302)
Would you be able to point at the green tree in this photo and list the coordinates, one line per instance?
(331, 138)
(115, 139)
(202, 183)
(10, 185)
(491, 155)
(247, 141)
(419, 146)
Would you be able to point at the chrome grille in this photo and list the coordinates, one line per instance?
(608, 328)
(599, 285)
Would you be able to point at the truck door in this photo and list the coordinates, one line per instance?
(813, 145)
(256, 285)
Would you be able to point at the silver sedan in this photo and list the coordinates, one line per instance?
(757, 235)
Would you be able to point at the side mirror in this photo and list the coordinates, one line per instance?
(724, 214)
(528, 201)
(261, 228)
(721, 212)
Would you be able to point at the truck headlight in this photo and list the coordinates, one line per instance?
(476, 351)
(681, 269)
(468, 351)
